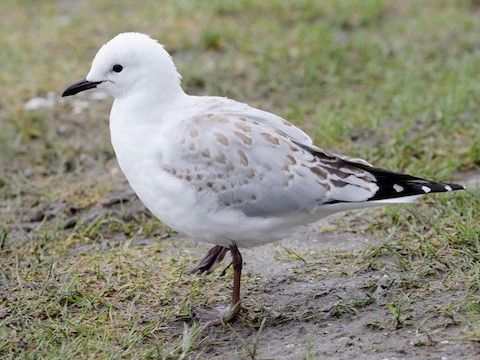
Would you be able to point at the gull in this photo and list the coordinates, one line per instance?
(220, 170)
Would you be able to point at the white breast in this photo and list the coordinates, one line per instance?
(139, 148)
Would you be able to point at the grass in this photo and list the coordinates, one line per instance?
(394, 82)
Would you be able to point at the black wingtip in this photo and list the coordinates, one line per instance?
(453, 187)
(394, 185)
(399, 186)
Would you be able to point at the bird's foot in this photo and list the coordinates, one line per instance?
(221, 314)
(214, 257)
(225, 314)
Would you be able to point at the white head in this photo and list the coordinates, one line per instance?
(131, 62)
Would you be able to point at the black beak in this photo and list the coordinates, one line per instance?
(79, 86)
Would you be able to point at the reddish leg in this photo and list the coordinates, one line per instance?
(222, 315)
(237, 263)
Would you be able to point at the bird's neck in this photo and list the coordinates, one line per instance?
(153, 96)
(147, 106)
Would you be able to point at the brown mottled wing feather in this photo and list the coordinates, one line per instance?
(235, 109)
(260, 170)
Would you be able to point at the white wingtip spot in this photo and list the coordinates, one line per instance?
(448, 188)
(426, 189)
(397, 188)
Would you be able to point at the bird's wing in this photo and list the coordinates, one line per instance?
(237, 109)
(260, 170)
(229, 107)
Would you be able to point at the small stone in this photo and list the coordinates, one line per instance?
(420, 340)
(38, 103)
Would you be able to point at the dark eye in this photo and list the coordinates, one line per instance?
(117, 68)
